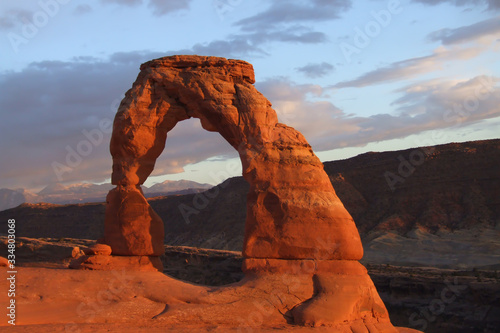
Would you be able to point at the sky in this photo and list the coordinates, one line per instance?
(352, 76)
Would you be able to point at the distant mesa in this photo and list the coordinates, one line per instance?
(295, 226)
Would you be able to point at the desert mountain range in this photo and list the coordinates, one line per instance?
(86, 192)
(430, 206)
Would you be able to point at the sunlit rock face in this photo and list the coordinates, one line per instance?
(296, 225)
(293, 212)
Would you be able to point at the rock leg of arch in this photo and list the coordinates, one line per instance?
(296, 225)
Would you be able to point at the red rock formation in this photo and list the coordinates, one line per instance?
(4, 262)
(291, 205)
(295, 222)
(131, 226)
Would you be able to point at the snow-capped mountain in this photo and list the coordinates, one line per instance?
(86, 192)
(173, 186)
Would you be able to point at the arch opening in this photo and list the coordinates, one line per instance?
(194, 154)
(289, 190)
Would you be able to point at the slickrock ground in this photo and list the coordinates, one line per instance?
(47, 292)
(408, 292)
(139, 301)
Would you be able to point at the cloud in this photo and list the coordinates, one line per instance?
(307, 108)
(449, 103)
(14, 17)
(135, 58)
(243, 45)
(50, 108)
(296, 34)
(159, 7)
(233, 47)
(82, 9)
(429, 105)
(467, 33)
(274, 26)
(433, 105)
(316, 70)
(402, 70)
(492, 4)
(124, 2)
(162, 7)
(282, 12)
(48, 105)
(288, 21)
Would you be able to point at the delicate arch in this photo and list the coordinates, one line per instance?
(292, 209)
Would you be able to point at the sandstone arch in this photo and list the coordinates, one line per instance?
(299, 238)
(292, 206)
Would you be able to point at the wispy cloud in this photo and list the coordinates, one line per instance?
(429, 105)
(82, 9)
(490, 4)
(14, 17)
(252, 44)
(49, 105)
(124, 2)
(283, 12)
(159, 7)
(490, 27)
(233, 47)
(296, 34)
(163, 7)
(402, 70)
(290, 21)
(316, 70)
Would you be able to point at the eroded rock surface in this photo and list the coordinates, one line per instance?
(296, 228)
(293, 211)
